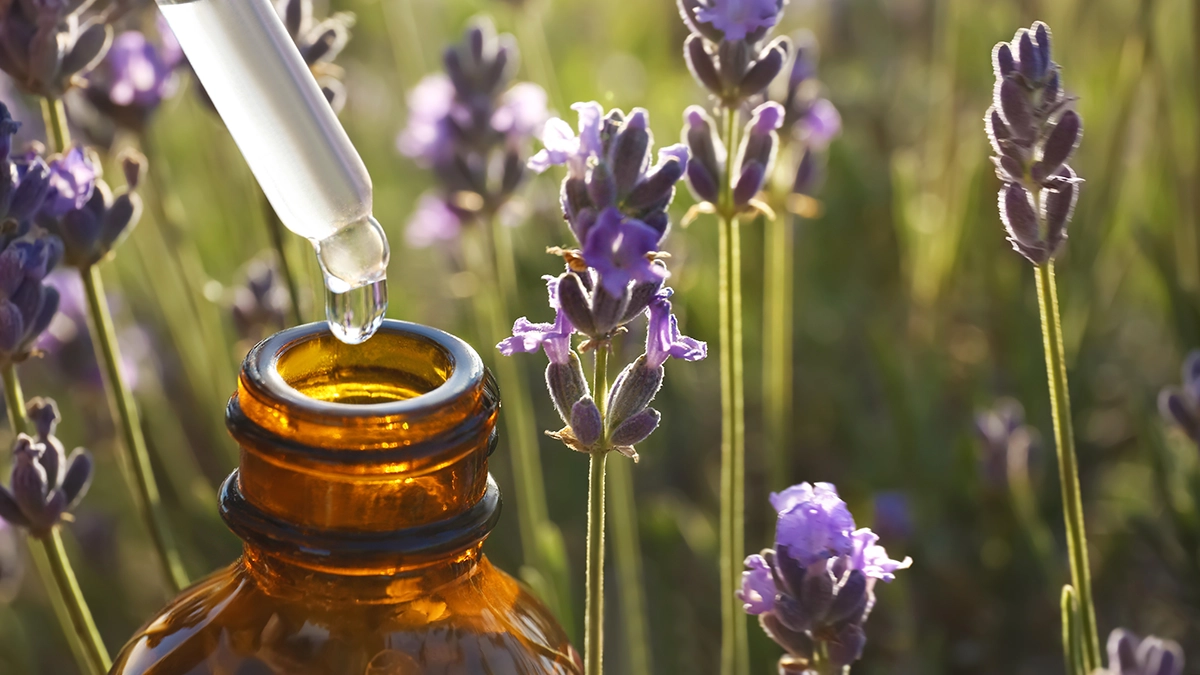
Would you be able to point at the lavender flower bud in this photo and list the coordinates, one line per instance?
(1020, 219)
(567, 385)
(757, 152)
(1175, 408)
(576, 304)
(1003, 62)
(630, 152)
(766, 69)
(852, 599)
(48, 43)
(1015, 109)
(1058, 205)
(707, 164)
(637, 428)
(586, 422)
(641, 295)
(1061, 143)
(749, 183)
(608, 309)
(633, 390)
(602, 187)
(1129, 655)
(700, 62)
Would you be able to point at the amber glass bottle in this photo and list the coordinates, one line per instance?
(363, 498)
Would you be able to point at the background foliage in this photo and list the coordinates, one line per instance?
(911, 316)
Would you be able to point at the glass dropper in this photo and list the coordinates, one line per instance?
(295, 146)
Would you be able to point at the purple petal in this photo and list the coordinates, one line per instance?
(872, 559)
(758, 586)
(432, 222)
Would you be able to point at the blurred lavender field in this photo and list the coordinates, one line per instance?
(912, 318)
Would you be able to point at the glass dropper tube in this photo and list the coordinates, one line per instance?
(294, 144)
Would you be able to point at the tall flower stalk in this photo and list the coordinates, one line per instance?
(1033, 130)
(91, 221)
(616, 205)
(472, 127)
(727, 56)
(810, 123)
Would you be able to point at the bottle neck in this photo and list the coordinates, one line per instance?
(363, 464)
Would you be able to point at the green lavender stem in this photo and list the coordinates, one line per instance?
(275, 230)
(628, 553)
(734, 654)
(133, 443)
(124, 411)
(593, 640)
(52, 565)
(1068, 472)
(777, 344)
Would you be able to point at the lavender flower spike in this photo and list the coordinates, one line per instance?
(46, 483)
(816, 588)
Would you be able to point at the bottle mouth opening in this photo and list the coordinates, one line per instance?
(404, 369)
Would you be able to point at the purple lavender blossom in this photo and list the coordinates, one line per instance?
(72, 180)
(1180, 405)
(563, 147)
(528, 337)
(1130, 655)
(134, 78)
(663, 339)
(84, 212)
(817, 585)
(433, 222)
(738, 18)
(471, 126)
(618, 248)
(68, 343)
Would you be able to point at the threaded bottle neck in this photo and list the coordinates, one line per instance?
(368, 457)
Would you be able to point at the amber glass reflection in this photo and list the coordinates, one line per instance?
(363, 499)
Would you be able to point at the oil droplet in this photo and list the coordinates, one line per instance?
(356, 314)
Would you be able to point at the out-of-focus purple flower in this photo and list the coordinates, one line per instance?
(820, 125)
(72, 180)
(472, 126)
(817, 586)
(45, 482)
(434, 221)
(84, 212)
(663, 339)
(1130, 655)
(1007, 442)
(26, 303)
(24, 179)
(1180, 405)
(68, 342)
(47, 43)
(618, 248)
(739, 18)
(428, 137)
(319, 44)
(260, 305)
(893, 515)
(133, 79)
